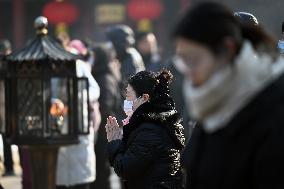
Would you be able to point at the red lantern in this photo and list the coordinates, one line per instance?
(146, 9)
(61, 12)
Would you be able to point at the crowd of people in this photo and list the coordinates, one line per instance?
(210, 116)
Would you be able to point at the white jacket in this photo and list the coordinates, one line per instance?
(76, 163)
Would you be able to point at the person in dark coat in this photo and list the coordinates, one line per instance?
(6, 49)
(146, 155)
(106, 71)
(122, 38)
(147, 46)
(236, 93)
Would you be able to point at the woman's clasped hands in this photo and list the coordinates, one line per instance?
(113, 130)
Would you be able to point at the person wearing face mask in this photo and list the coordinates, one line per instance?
(145, 152)
(235, 91)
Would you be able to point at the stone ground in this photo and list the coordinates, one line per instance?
(14, 182)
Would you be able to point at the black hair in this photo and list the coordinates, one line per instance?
(121, 35)
(156, 85)
(260, 40)
(122, 38)
(209, 23)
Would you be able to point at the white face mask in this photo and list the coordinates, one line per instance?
(128, 107)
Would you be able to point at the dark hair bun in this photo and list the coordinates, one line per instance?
(164, 77)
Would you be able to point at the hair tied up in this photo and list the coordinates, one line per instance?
(161, 91)
(164, 77)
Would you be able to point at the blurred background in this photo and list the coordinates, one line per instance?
(87, 19)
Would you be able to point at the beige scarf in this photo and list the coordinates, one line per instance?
(231, 88)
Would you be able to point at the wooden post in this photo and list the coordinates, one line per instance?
(43, 165)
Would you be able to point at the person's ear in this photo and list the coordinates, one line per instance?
(145, 97)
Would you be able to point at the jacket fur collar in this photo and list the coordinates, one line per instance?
(167, 118)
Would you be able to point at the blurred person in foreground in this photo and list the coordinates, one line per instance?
(76, 163)
(106, 71)
(145, 152)
(147, 46)
(236, 93)
(122, 39)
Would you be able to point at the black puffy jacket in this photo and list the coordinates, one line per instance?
(148, 156)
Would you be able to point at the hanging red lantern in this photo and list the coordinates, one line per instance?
(146, 9)
(61, 12)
